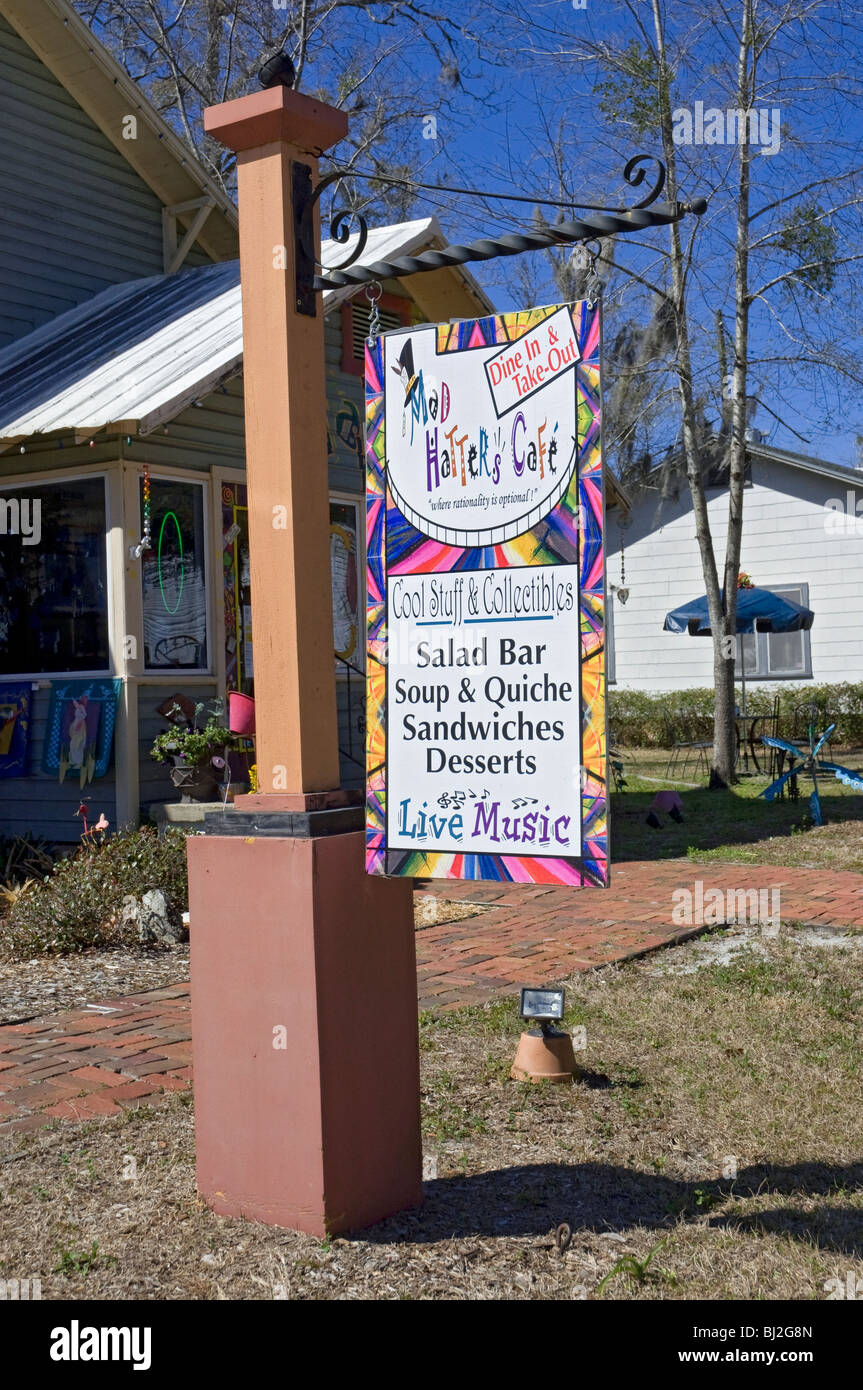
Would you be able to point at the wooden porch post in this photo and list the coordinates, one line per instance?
(304, 1008)
(286, 444)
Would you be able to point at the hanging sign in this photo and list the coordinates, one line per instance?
(485, 714)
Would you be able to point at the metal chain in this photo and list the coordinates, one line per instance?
(593, 287)
(374, 317)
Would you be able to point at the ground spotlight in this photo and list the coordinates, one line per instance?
(544, 1053)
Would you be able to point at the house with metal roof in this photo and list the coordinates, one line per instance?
(802, 537)
(121, 412)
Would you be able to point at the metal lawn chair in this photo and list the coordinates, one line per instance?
(772, 730)
(685, 745)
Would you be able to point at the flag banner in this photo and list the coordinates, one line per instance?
(80, 732)
(15, 702)
(486, 745)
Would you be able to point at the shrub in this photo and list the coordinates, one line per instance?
(638, 718)
(25, 856)
(79, 904)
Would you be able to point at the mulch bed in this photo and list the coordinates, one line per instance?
(51, 984)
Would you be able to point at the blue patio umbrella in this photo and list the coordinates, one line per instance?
(758, 610)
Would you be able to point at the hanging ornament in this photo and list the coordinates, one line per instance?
(145, 543)
(621, 590)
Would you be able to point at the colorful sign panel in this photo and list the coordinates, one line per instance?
(486, 696)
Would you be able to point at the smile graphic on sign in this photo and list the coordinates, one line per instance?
(481, 447)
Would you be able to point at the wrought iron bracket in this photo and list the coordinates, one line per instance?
(303, 194)
(595, 222)
(306, 199)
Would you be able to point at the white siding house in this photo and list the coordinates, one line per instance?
(801, 537)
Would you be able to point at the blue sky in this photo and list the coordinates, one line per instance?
(525, 84)
(496, 136)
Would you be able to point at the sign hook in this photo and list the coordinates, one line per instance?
(593, 288)
(374, 317)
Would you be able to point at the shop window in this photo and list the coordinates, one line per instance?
(53, 577)
(237, 589)
(174, 578)
(345, 561)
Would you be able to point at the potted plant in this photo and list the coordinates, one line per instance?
(199, 751)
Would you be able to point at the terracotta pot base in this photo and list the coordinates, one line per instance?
(544, 1058)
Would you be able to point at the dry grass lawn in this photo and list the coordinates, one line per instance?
(749, 1065)
(738, 826)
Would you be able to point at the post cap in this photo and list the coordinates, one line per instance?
(276, 113)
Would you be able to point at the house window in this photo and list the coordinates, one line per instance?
(611, 674)
(345, 568)
(356, 315)
(174, 578)
(775, 656)
(54, 577)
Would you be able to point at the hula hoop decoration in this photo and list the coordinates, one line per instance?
(145, 543)
(170, 516)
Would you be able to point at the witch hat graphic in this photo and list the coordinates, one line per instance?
(405, 370)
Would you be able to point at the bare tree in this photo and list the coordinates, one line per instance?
(790, 220)
(396, 67)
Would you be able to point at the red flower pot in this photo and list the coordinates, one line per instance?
(241, 714)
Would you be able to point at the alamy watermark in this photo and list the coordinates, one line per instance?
(756, 126)
(21, 516)
(77, 1343)
(17, 1289)
(851, 1287)
(714, 907)
(844, 516)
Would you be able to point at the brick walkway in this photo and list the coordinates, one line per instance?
(535, 935)
(85, 1063)
(77, 1065)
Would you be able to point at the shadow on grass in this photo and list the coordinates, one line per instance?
(598, 1081)
(719, 818)
(534, 1199)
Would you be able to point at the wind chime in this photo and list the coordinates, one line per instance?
(620, 590)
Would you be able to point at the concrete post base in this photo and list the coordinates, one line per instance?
(304, 1032)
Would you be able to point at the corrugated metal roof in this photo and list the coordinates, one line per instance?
(770, 453)
(841, 472)
(139, 352)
